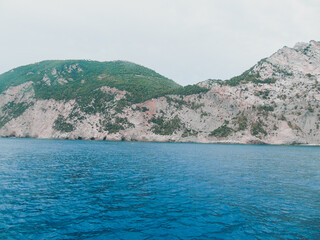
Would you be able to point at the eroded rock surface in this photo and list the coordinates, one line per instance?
(274, 102)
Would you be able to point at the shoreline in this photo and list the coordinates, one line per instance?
(193, 142)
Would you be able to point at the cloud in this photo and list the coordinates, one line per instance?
(188, 41)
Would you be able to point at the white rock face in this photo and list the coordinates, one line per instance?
(281, 106)
(18, 94)
(46, 80)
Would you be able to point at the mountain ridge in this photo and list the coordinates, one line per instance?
(274, 102)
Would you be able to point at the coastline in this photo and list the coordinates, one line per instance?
(172, 141)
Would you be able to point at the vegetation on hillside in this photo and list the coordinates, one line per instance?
(117, 124)
(249, 76)
(81, 80)
(188, 90)
(242, 122)
(163, 127)
(61, 125)
(70, 79)
(257, 128)
(223, 131)
(13, 110)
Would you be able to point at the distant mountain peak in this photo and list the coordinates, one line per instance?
(284, 65)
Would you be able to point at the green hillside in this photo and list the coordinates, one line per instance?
(70, 79)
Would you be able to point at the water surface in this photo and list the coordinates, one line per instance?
(60, 189)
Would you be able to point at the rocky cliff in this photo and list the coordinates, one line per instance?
(274, 102)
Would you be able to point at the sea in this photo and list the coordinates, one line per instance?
(74, 189)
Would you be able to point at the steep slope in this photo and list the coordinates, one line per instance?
(274, 102)
(279, 96)
(91, 87)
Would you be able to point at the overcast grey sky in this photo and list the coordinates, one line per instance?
(187, 41)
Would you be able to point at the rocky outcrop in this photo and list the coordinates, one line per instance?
(274, 102)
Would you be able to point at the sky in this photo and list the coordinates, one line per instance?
(185, 40)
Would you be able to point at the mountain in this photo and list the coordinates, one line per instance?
(274, 102)
(71, 79)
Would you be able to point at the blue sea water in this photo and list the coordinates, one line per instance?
(63, 189)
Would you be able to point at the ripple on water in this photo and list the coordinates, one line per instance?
(52, 189)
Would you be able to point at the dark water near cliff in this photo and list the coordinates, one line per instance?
(52, 189)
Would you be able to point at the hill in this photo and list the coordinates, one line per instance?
(71, 79)
(274, 102)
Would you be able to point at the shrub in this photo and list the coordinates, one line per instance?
(188, 90)
(247, 77)
(266, 108)
(222, 131)
(257, 128)
(204, 114)
(189, 132)
(113, 127)
(242, 122)
(310, 109)
(117, 125)
(13, 110)
(282, 118)
(61, 125)
(163, 127)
